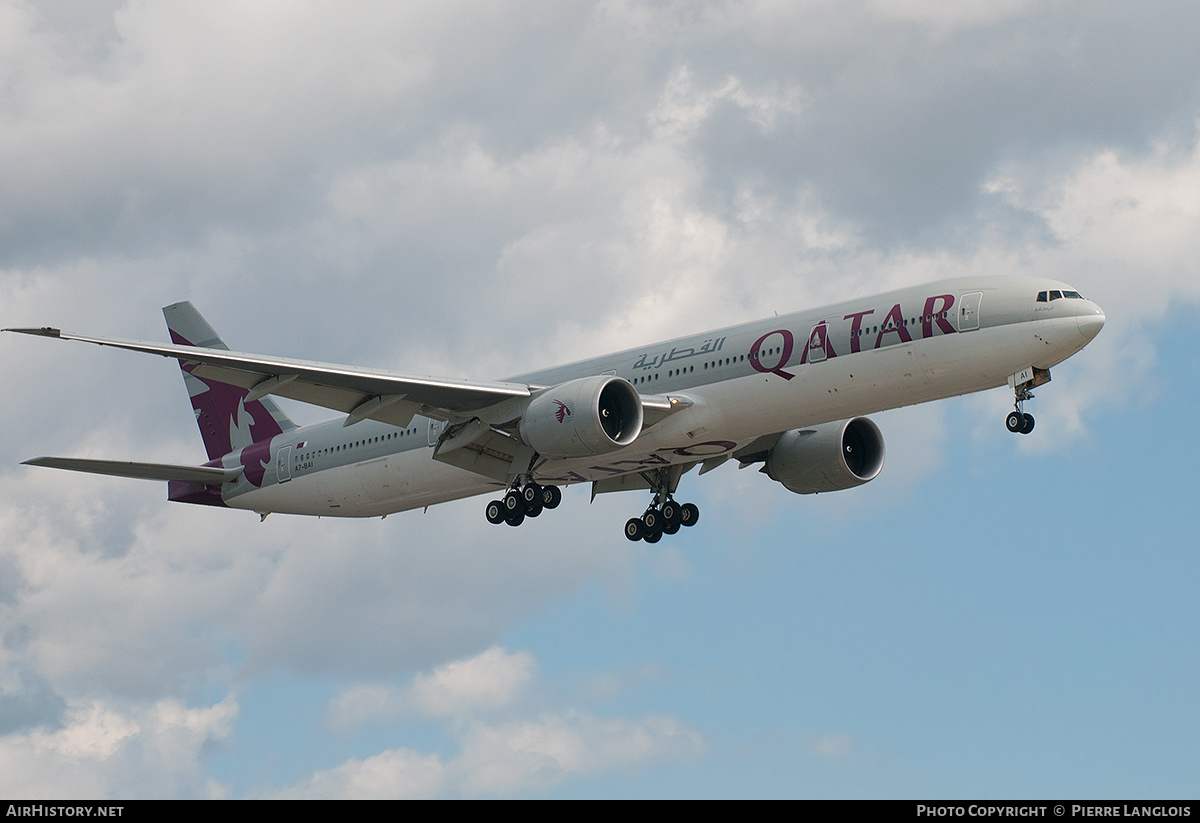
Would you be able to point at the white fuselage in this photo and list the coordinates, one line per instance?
(743, 382)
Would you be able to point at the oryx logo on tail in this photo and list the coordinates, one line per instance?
(228, 423)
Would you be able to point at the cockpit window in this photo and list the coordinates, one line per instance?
(1047, 296)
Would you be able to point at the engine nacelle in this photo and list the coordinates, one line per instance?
(825, 458)
(592, 415)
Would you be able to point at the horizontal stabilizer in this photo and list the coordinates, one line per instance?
(146, 471)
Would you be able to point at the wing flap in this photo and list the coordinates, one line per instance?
(208, 475)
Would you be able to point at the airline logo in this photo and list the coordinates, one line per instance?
(771, 352)
(562, 412)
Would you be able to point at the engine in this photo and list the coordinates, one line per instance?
(579, 418)
(825, 458)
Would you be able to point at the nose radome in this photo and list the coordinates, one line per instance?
(1091, 322)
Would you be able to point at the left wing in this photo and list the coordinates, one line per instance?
(380, 394)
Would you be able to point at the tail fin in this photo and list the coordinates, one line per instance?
(227, 422)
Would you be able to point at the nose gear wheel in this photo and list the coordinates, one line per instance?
(1018, 420)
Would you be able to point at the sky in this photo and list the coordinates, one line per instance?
(474, 190)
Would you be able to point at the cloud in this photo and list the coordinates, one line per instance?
(104, 750)
(462, 688)
(508, 759)
(489, 680)
(396, 773)
(538, 753)
(494, 757)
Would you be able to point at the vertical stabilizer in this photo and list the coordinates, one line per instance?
(227, 422)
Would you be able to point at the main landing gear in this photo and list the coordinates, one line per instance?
(525, 501)
(665, 516)
(1018, 421)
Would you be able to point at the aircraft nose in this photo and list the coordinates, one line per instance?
(1090, 321)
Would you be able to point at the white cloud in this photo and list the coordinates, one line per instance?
(487, 681)
(147, 750)
(493, 758)
(507, 759)
(538, 753)
(392, 774)
(685, 104)
(463, 688)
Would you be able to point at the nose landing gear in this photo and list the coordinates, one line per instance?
(1018, 420)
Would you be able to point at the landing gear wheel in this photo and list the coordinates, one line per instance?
(652, 520)
(496, 512)
(665, 515)
(634, 529)
(514, 502)
(534, 507)
(670, 514)
(515, 518)
(1026, 423)
(551, 496)
(531, 492)
(1015, 421)
(652, 525)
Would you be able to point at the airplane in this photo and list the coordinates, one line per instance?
(788, 392)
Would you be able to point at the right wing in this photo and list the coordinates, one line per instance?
(380, 394)
(473, 409)
(146, 471)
